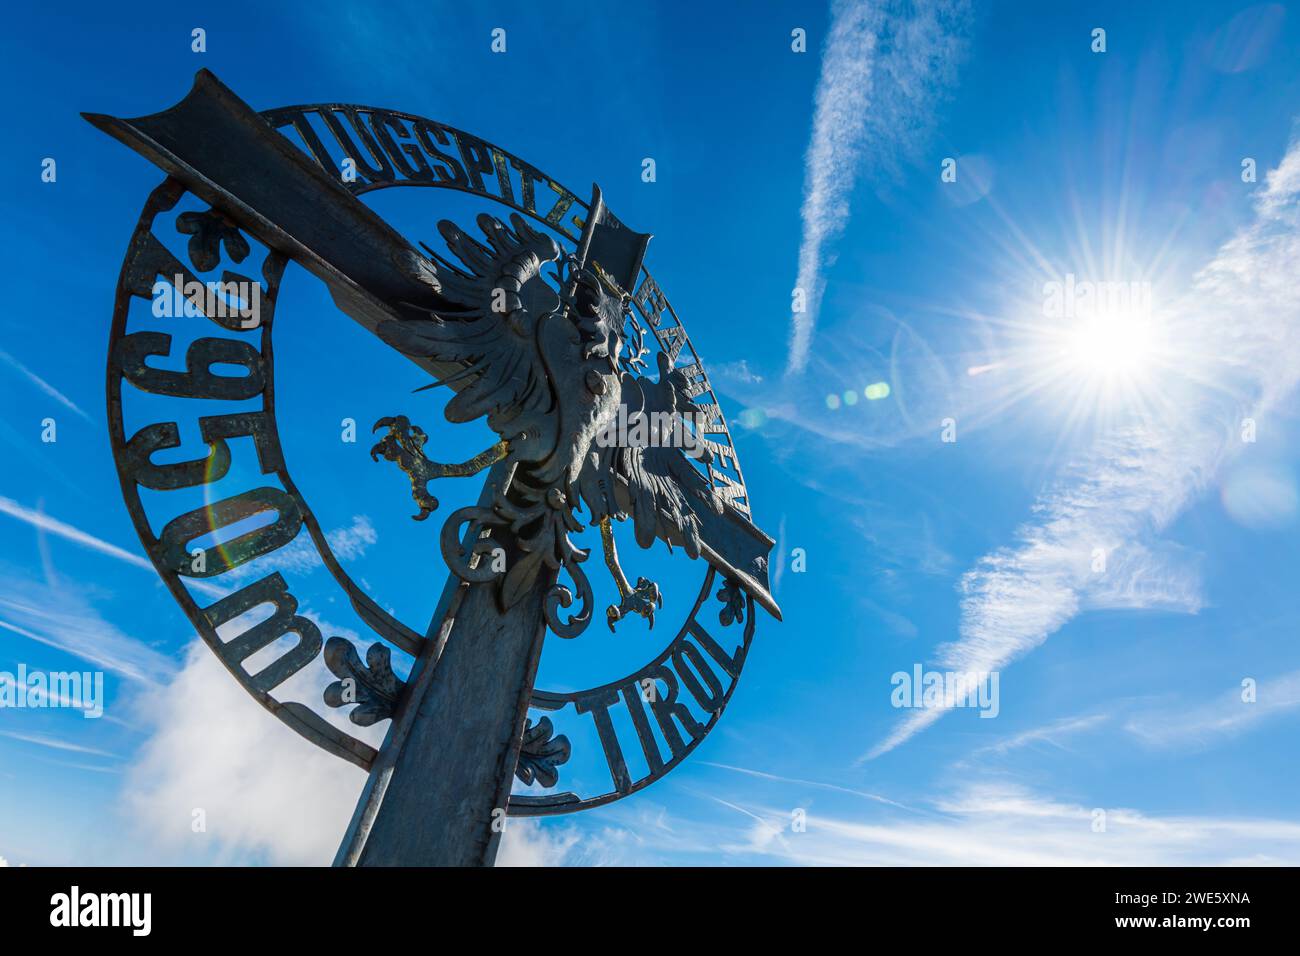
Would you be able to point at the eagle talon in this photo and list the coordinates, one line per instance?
(403, 439)
(642, 600)
(404, 445)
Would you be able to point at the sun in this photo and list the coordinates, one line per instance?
(1087, 367)
(1085, 330)
(1109, 346)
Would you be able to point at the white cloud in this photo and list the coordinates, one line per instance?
(1242, 322)
(301, 556)
(268, 795)
(884, 67)
(640, 834)
(525, 842)
(737, 372)
(354, 540)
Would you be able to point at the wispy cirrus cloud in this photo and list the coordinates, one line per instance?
(54, 743)
(1222, 719)
(999, 825)
(62, 618)
(776, 778)
(1052, 734)
(884, 67)
(347, 542)
(43, 385)
(979, 824)
(45, 524)
(1238, 331)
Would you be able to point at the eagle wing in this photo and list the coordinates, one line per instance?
(486, 323)
(660, 487)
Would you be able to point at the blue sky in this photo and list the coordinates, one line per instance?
(1120, 687)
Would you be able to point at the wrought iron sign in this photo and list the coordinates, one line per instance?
(546, 325)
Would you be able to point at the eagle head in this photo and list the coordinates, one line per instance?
(598, 315)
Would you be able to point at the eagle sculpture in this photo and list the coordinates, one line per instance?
(550, 369)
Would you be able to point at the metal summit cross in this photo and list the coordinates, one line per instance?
(552, 366)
